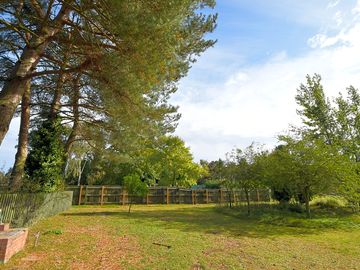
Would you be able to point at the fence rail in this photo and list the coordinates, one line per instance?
(7, 206)
(100, 195)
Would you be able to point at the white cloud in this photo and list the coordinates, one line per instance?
(333, 4)
(257, 102)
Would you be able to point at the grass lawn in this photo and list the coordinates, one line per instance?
(199, 237)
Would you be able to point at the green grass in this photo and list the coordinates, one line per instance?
(200, 237)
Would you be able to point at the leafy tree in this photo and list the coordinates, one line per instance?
(107, 67)
(217, 170)
(315, 109)
(46, 158)
(305, 167)
(242, 170)
(135, 187)
(347, 116)
(337, 126)
(173, 163)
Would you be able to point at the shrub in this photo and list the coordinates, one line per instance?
(281, 195)
(328, 202)
(212, 184)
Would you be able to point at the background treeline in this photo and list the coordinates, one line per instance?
(320, 157)
(91, 80)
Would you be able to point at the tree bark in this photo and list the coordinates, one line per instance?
(22, 150)
(230, 196)
(15, 86)
(76, 114)
(56, 103)
(307, 202)
(247, 201)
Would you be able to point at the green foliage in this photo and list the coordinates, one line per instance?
(328, 202)
(281, 194)
(291, 216)
(242, 170)
(212, 184)
(173, 163)
(315, 110)
(304, 167)
(337, 126)
(167, 161)
(4, 178)
(46, 158)
(135, 187)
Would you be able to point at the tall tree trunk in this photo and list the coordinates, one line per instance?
(230, 198)
(22, 150)
(247, 201)
(56, 103)
(307, 202)
(76, 115)
(15, 86)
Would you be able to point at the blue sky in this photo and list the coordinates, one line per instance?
(243, 89)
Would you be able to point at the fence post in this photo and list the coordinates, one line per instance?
(147, 198)
(80, 194)
(207, 195)
(102, 195)
(192, 196)
(258, 195)
(85, 195)
(179, 195)
(123, 196)
(167, 196)
(221, 195)
(120, 196)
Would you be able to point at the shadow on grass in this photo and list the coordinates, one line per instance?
(212, 220)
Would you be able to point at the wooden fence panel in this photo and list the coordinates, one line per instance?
(102, 195)
(25, 208)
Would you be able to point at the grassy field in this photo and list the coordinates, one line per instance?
(190, 237)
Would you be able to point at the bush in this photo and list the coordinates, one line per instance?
(328, 202)
(281, 195)
(212, 184)
(291, 207)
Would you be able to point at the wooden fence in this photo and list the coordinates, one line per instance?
(26, 208)
(8, 206)
(100, 195)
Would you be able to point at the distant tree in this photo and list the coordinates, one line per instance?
(173, 163)
(305, 167)
(217, 170)
(315, 109)
(336, 125)
(242, 170)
